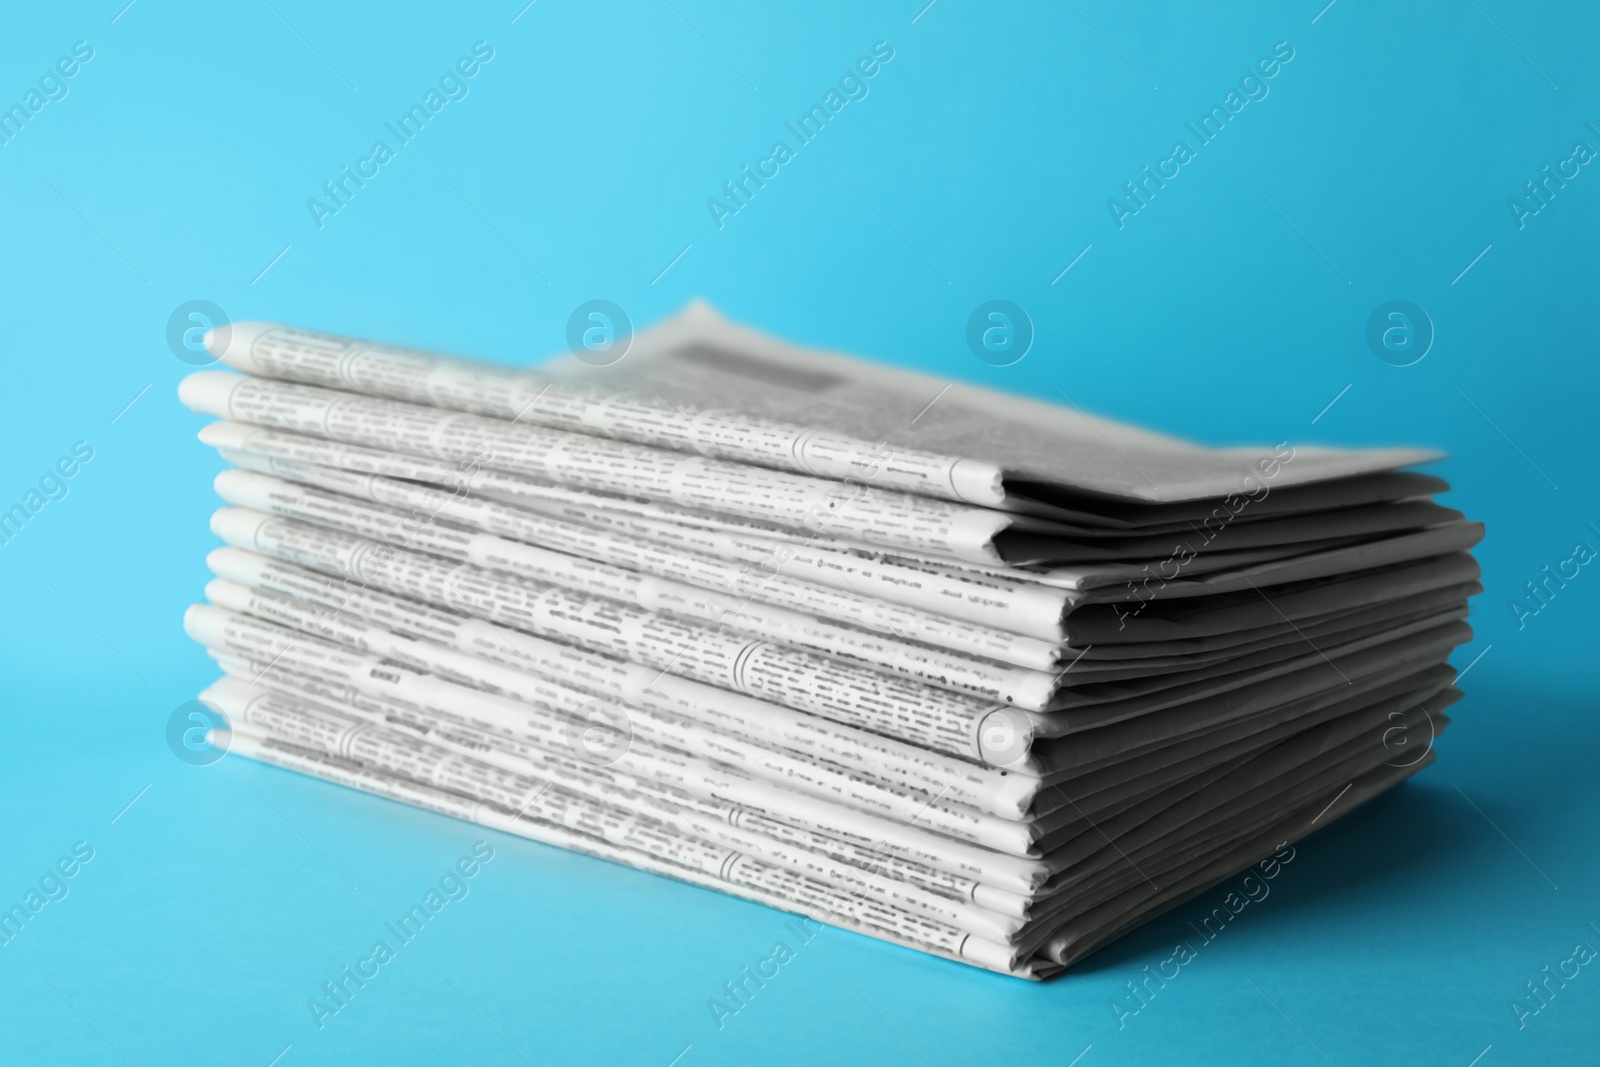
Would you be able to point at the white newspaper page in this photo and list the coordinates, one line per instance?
(843, 509)
(698, 383)
(944, 721)
(325, 605)
(981, 597)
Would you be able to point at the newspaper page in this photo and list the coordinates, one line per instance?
(764, 882)
(973, 843)
(1283, 639)
(1074, 940)
(984, 598)
(641, 416)
(697, 383)
(1106, 745)
(740, 582)
(579, 795)
(900, 708)
(1058, 860)
(1216, 818)
(851, 750)
(1096, 706)
(1114, 792)
(970, 676)
(851, 510)
(788, 770)
(951, 872)
(1245, 784)
(1225, 718)
(1048, 451)
(657, 791)
(581, 573)
(1243, 816)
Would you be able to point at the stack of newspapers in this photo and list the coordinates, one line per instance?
(970, 673)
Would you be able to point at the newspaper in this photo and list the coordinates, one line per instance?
(1118, 702)
(932, 718)
(1380, 719)
(697, 383)
(981, 597)
(1267, 850)
(1348, 739)
(857, 511)
(991, 880)
(1214, 644)
(1235, 814)
(1170, 865)
(673, 558)
(974, 674)
(847, 510)
(1087, 886)
(791, 771)
(365, 637)
(1111, 788)
(870, 701)
(541, 714)
(659, 794)
(1449, 603)
(855, 752)
(1315, 764)
(582, 797)
(1035, 691)
(986, 599)
(1107, 583)
(1113, 683)
(1362, 734)
(1110, 743)
(615, 725)
(1246, 782)
(802, 607)
(1107, 626)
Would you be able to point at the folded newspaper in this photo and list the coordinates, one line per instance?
(966, 672)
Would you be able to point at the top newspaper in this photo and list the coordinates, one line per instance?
(698, 383)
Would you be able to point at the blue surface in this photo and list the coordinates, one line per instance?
(1232, 307)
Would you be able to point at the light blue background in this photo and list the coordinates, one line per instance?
(179, 166)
